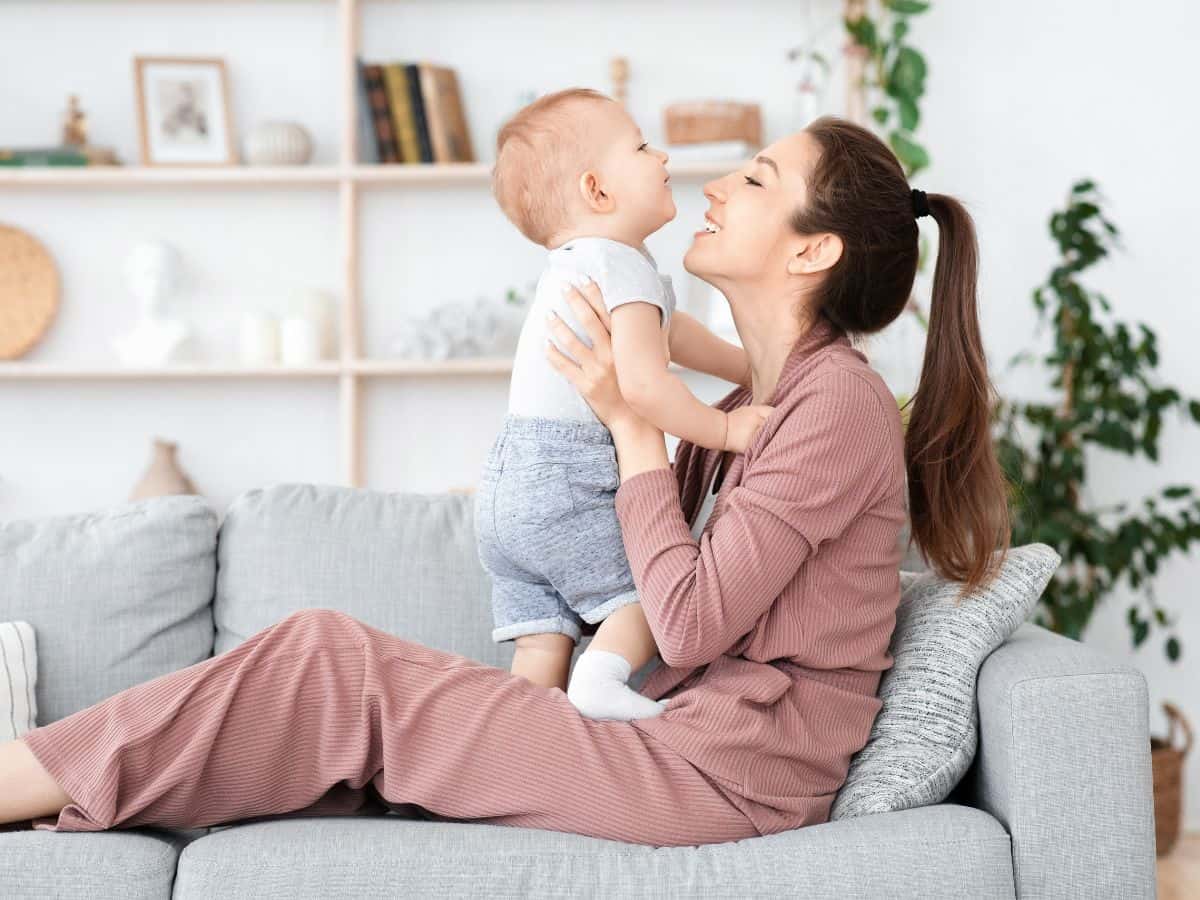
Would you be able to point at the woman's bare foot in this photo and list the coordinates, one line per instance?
(26, 789)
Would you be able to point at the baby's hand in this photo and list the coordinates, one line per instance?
(743, 426)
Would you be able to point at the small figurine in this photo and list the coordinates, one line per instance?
(618, 70)
(75, 126)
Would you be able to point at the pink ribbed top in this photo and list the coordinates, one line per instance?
(774, 627)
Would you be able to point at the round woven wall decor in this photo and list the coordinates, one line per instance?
(28, 291)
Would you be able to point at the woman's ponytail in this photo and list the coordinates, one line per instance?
(958, 503)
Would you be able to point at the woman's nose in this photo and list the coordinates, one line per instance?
(713, 191)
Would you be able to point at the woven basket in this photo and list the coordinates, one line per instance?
(700, 121)
(1167, 762)
(28, 291)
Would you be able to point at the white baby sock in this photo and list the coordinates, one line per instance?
(599, 689)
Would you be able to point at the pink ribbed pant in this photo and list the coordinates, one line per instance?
(321, 714)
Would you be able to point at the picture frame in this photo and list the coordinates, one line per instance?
(184, 116)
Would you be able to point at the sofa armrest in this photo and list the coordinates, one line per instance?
(1064, 764)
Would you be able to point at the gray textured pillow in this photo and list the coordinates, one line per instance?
(925, 736)
(117, 597)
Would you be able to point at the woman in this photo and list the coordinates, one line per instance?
(773, 626)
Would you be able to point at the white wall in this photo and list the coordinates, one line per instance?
(1024, 98)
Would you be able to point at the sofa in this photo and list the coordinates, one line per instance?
(1054, 805)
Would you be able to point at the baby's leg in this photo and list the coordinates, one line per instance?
(544, 659)
(626, 633)
(525, 607)
(600, 683)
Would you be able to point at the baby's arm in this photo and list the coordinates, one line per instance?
(695, 347)
(661, 397)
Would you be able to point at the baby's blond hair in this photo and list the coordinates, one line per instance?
(539, 151)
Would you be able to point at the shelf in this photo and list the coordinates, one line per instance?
(109, 372)
(480, 173)
(364, 368)
(133, 177)
(138, 177)
(330, 369)
(485, 365)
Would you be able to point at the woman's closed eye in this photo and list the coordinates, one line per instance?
(750, 180)
(644, 146)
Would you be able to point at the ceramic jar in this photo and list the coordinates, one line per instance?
(277, 144)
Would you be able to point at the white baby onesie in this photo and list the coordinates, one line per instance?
(625, 274)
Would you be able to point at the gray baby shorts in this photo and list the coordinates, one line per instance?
(547, 528)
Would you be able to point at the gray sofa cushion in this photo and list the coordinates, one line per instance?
(924, 738)
(937, 852)
(115, 597)
(132, 865)
(404, 563)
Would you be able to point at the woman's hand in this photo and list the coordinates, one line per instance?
(591, 371)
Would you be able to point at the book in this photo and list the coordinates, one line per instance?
(368, 146)
(43, 156)
(420, 118)
(381, 116)
(395, 75)
(448, 135)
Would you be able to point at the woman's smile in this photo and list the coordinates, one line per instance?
(710, 227)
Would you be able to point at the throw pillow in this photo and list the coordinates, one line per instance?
(925, 736)
(18, 679)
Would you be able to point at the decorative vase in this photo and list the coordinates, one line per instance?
(163, 476)
(277, 144)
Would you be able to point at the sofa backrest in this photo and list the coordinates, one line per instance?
(115, 597)
(404, 563)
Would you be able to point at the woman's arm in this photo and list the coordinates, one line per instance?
(695, 347)
(825, 463)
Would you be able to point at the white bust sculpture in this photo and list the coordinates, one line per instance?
(152, 273)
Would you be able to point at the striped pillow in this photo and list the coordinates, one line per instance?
(18, 679)
(924, 739)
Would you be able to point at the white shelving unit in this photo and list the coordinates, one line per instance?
(349, 179)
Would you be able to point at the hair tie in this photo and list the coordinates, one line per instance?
(920, 203)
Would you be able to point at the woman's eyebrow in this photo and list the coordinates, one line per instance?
(766, 160)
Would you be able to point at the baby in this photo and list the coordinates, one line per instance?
(574, 174)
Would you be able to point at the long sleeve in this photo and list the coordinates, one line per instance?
(825, 461)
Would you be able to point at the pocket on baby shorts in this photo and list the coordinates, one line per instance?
(540, 493)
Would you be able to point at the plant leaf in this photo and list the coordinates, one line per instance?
(906, 7)
(911, 154)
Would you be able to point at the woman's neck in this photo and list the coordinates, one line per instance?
(768, 331)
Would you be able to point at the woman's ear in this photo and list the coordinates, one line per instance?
(594, 197)
(816, 253)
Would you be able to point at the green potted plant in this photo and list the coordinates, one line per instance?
(1103, 372)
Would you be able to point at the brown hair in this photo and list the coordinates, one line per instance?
(538, 152)
(956, 489)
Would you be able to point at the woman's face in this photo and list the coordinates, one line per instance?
(747, 235)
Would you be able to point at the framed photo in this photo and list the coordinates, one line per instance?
(183, 111)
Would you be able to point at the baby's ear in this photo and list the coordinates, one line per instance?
(593, 194)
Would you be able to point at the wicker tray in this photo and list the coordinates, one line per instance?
(28, 291)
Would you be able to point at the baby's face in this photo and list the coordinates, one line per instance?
(632, 172)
